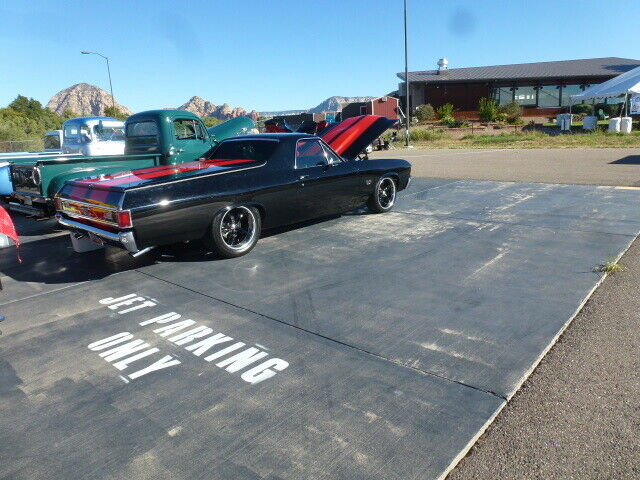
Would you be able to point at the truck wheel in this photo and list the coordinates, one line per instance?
(234, 231)
(384, 196)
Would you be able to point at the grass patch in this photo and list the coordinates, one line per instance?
(612, 266)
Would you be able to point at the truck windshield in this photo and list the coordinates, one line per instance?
(257, 150)
(109, 134)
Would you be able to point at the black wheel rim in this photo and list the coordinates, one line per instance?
(386, 193)
(238, 228)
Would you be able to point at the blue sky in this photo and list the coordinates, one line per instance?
(285, 54)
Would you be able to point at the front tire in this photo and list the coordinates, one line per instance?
(234, 231)
(384, 195)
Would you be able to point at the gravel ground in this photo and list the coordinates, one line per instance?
(584, 166)
(578, 415)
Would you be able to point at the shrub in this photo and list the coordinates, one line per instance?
(582, 109)
(488, 109)
(425, 113)
(502, 117)
(445, 112)
(513, 110)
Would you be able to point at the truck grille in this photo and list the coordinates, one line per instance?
(26, 178)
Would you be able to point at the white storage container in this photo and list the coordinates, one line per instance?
(625, 124)
(590, 122)
(564, 121)
(614, 124)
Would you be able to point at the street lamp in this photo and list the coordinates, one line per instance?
(407, 116)
(113, 102)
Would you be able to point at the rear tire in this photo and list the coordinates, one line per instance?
(384, 195)
(234, 231)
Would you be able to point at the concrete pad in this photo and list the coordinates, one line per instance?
(404, 334)
(334, 412)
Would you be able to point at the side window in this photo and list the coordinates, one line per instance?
(71, 134)
(85, 133)
(310, 153)
(188, 130)
(332, 157)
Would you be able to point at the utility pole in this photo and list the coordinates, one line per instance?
(407, 113)
(113, 101)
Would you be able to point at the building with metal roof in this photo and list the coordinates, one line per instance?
(542, 88)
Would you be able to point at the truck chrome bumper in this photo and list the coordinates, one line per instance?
(125, 239)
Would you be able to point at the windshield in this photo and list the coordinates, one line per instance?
(109, 134)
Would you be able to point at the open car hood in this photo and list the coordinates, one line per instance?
(351, 136)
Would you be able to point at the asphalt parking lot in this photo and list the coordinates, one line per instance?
(583, 166)
(379, 346)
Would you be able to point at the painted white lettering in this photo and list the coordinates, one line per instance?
(122, 364)
(107, 342)
(264, 371)
(147, 303)
(173, 328)
(124, 350)
(164, 362)
(204, 345)
(167, 317)
(190, 335)
(224, 351)
(129, 301)
(242, 359)
(110, 300)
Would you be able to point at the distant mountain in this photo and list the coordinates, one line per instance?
(83, 99)
(333, 104)
(282, 113)
(204, 108)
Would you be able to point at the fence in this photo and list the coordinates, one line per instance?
(21, 146)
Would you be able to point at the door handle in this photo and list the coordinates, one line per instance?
(302, 177)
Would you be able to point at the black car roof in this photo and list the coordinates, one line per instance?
(272, 136)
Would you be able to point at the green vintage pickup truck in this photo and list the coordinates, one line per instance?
(153, 138)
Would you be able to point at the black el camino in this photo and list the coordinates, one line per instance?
(246, 184)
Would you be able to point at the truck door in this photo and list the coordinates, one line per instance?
(190, 140)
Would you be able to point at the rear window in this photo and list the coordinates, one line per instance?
(142, 133)
(257, 150)
(51, 142)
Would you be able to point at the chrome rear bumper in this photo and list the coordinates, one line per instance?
(26, 209)
(124, 239)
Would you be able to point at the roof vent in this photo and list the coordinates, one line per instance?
(443, 65)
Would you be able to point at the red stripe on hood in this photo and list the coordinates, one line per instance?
(156, 172)
(347, 136)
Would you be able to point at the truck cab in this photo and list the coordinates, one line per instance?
(92, 136)
(151, 139)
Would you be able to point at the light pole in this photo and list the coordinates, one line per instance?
(113, 102)
(407, 113)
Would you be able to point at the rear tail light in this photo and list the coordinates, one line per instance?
(124, 219)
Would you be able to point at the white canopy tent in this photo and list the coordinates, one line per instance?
(625, 84)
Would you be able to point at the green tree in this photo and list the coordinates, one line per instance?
(212, 122)
(115, 112)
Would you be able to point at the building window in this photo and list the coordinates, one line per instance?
(503, 95)
(525, 95)
(567, 91)
(549, 96)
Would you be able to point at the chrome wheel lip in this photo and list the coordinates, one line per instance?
(386, 193)
(229, 221)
